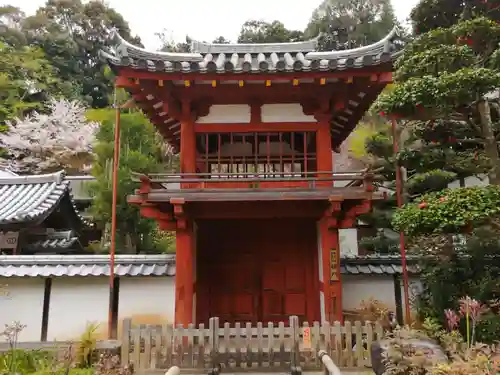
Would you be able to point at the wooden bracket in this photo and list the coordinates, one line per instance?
(179, 213)
(309, 107)
(323, 112)
(152, 211)
(332, 213)
(349, 219)
(145, 184)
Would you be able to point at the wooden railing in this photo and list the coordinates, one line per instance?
(246, 346)
(308, 180)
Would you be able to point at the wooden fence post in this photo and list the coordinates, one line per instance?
(125, 345)
(295, 351)
(213, 325)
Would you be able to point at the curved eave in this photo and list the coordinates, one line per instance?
(254, 65)
(342, 124)
(29, 200)
(344, 121)
(384, 45)
(251, 58)
(124, 48)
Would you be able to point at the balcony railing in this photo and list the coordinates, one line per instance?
(256, 180)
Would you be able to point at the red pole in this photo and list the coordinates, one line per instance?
(399, 200)
(112, 250)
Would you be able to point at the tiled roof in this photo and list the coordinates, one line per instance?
(85, 265)
(158, 265)
(251, 58)
(57, 241)
(31, 199)
(376, 265)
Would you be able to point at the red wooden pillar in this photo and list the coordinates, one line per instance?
(324, 161)
(184, 277)
(185, 241)
(332, 284)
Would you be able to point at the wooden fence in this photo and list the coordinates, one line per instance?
(243, 346)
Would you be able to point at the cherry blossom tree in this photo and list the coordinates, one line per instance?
(40, 142)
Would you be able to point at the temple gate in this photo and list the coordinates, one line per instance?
(257, 206)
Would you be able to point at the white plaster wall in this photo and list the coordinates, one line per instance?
(223, 114)
(24, 303)
(356, 288)
(241, 114)
(150, 299)
(74, 303)
(290, 112)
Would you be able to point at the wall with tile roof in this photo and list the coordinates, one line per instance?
(80, 291)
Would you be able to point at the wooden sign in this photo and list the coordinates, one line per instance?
(306, 339)
(333, 265)
(8, 240)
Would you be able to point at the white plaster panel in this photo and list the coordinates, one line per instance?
(290, 112)
(149, 298)
(356, 288)
(24, 304)
(76, 302)
(223, 114)
(348, 241)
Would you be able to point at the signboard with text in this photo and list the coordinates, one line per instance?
(306, 338)
(8, 240)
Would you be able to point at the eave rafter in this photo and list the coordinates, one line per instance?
(342, 103)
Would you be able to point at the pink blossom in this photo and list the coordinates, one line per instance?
(452, 319)
(474, 308)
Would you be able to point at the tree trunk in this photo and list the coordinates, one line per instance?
(490, 144)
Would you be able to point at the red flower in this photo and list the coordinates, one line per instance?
(422, 205)
(382, 114)
(442, 199)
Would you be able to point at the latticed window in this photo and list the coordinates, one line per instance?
(264, 155)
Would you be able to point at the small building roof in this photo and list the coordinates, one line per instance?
(250, 58)
(162, 265)
(29, 200)
(56, 242)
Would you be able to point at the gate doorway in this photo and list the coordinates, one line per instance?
(257, 270)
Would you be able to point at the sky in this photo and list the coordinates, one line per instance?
(206, 20)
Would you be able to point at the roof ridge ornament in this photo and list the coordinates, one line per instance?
(382, 46)
(282, 47)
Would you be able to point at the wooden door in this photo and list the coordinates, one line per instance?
(257, 270)
(230, 270)
(284, 273)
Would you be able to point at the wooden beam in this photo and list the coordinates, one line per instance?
(255, 210)
(255, 127)
(178, 76)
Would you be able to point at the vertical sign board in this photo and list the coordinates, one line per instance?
(333, 265)
(8, 240)
(306, 339)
